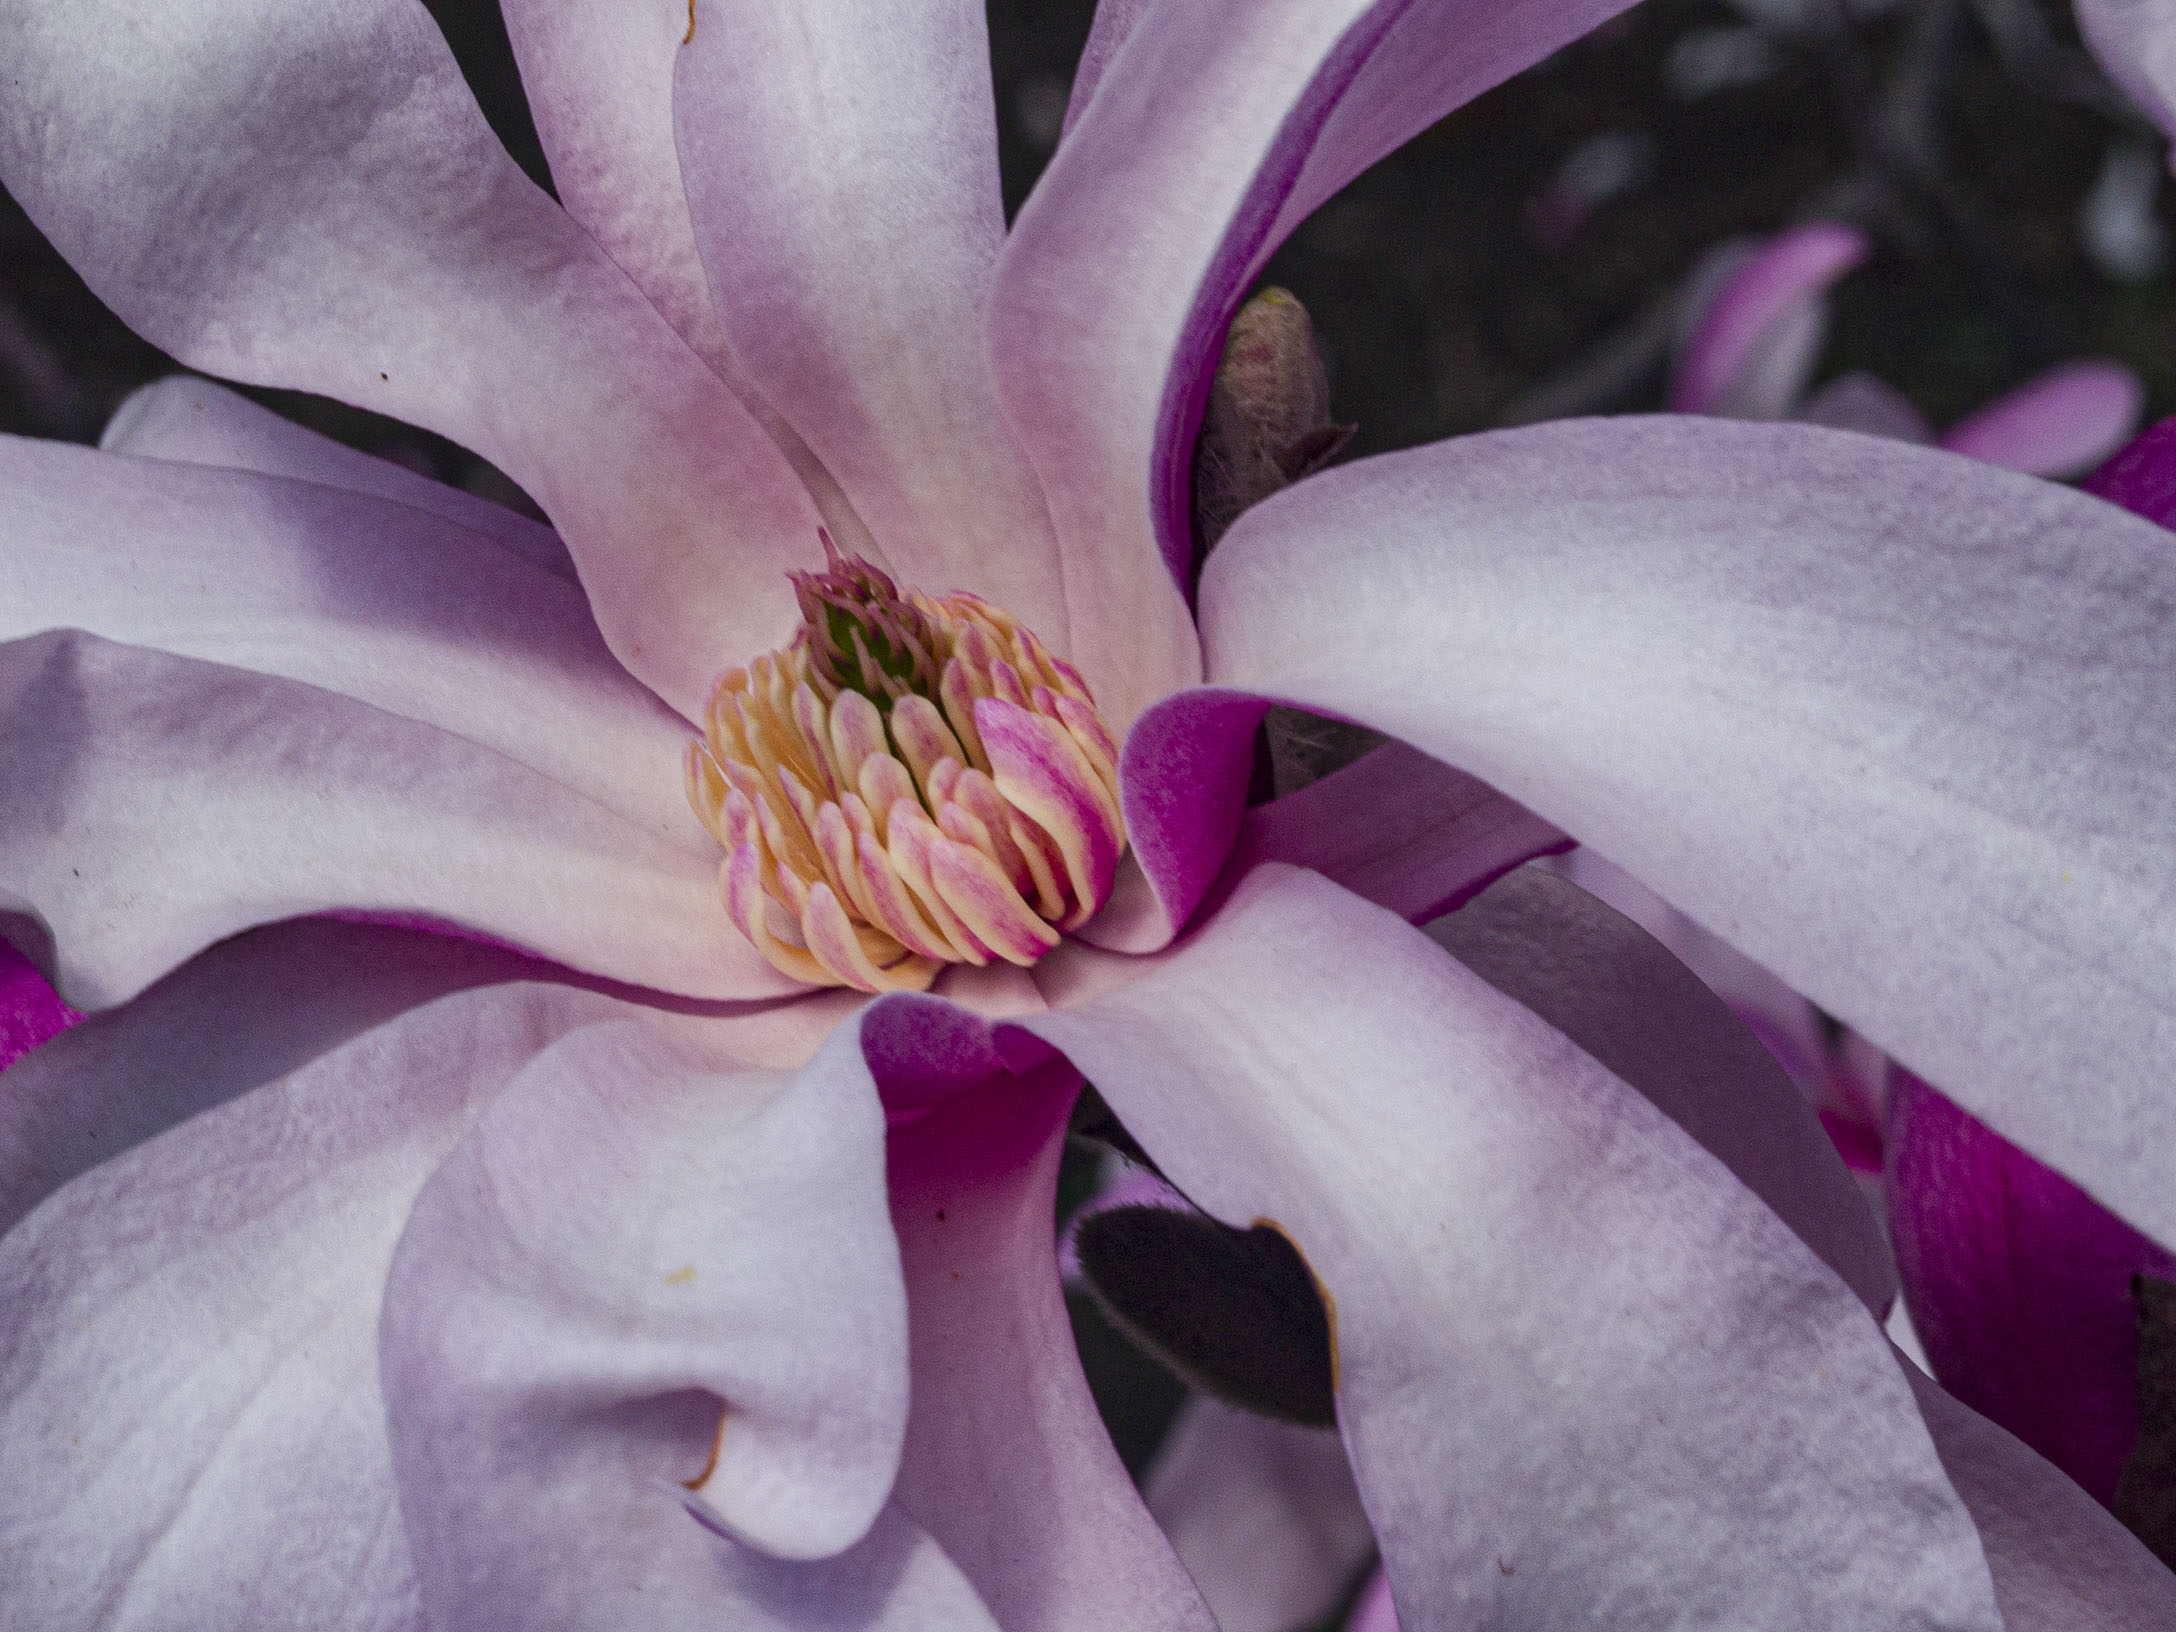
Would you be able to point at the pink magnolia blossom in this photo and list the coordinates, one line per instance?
(1755, 318)
(364, 1277)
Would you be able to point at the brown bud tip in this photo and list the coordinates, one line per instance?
(1267, 422)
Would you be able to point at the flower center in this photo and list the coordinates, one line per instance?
(911, 781)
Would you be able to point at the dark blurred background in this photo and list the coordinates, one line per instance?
(1521, 259)
(1515, 261)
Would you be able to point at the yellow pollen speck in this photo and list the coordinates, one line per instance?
(681, 1276)
(689, 37)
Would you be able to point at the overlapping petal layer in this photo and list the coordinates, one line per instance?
(340, 219)
(1211, 133)
(1573, 1351)
(196, 422)
(850, 271)
(1007, 1462)
(191, 1432)
(250, 1011)
(376, 601)
(155, 804)
(1894, 723)
(2060, 1563)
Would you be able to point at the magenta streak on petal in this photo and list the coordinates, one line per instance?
(1183, 780)
(2142, 475)
(1790, 268)
(31, 1012)
(1247, 240)
(1405, 831)
(2057, 424)
(2018, 1283)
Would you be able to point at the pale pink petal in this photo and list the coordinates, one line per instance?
(195, 421)
(309, 198)
(191, 1432)
(2061, 423)
(842, 172)
(1263, 1514)
(1859, 402)
(2136, 43)
(1894, 723)
(2060, 1562)
(1214, 130)
(1784, 1022)
(1757, 342)
(1007, 1463)
(1375, 1612)
(1696, 1397)
(644, 1350)
(598, 77)
(155, 804)
(2019, 1286)
(249, 1011)
(31, 1012)
(1107, 31)
(1400, 829)
(378, 601)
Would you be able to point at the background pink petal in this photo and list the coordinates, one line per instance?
(639, 1235)
(309, 198)
(1860, 402)
(842, 170)
(156, 804)
(1214, 130)
(378, 601)
(1579, 1364)
(2019, 1285)
(2061, 423)
(2136, 43)
(191, 1431)
(1752, 351)
(1857, 707)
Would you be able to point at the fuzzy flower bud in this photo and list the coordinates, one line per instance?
(911, 781)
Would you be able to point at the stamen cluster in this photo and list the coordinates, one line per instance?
(910, 782)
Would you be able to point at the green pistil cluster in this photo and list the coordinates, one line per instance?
(863, 635)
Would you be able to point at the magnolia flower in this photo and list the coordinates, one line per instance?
(363, 1276)
(1755, 316)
